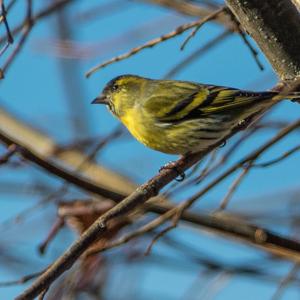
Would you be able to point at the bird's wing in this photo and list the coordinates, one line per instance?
(183, 101)
(173, 99)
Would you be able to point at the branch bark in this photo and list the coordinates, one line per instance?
(39, 149)
(286, 63)
(98, 228)
(275, 26)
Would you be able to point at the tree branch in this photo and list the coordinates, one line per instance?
(275, 26)
(98, 228)
(45, 148)
(146, 191)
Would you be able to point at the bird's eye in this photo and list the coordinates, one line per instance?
(115, 87)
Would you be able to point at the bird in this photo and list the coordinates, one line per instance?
(181, 117)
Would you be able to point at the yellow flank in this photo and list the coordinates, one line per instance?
(147, 135)
(180, 117)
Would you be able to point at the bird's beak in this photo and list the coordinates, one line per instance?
(100, 100)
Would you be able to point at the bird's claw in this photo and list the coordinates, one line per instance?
(223, 144)
(180, 177)
(172, 165)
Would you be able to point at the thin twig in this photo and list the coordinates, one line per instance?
(10, 39)
(28, 26)
(83, 143)
(234, 187)
(59, 223)
(248, 159)
(278, 159)
(188, 8)
(136, 233)
(249, 233)
(51, 8)
(193, 56)
(43, 294)
(245, 39)
(22, 280)
(27, 211)
(150, 189)
(62, 191)
(209, 18)
(11, 150)
(101, 10)
(60, 171)
(208, 166)
(236, 145)
(7, 8)
(188, 183)
(216, 285)
(179, 30)
(157, 237)
(29, 11)
(3, 49)
(176, 217)
(285, 282)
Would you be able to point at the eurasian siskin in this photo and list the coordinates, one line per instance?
(179, 117)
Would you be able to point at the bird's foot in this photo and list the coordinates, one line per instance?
(173, 166)
(223, 144)
(243, 124)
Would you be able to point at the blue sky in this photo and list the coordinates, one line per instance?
(34, 91)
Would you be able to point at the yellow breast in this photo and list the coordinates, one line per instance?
(133, 120)
(146, 131)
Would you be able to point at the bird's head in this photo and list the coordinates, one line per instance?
(121, 94)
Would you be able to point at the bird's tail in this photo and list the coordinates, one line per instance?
(278, 96)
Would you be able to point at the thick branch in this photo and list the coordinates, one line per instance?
(43, 149)
(233, 228)
(57, 170)
(38, 148)
(275, 26)
(98, 228)
(138, 197)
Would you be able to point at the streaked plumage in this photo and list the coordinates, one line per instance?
(178, 117)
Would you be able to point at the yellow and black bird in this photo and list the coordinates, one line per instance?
(180, 117)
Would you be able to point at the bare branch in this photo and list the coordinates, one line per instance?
(22, 280)
(28, 24)
(179, 30)
(195, 30)
(247, 43)
(274, 25)
(138, 197)
(192, 57)
(183, 7)
(53, 7)
(11, 150)
(285, 282)
(234, 187)
(278, 159)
